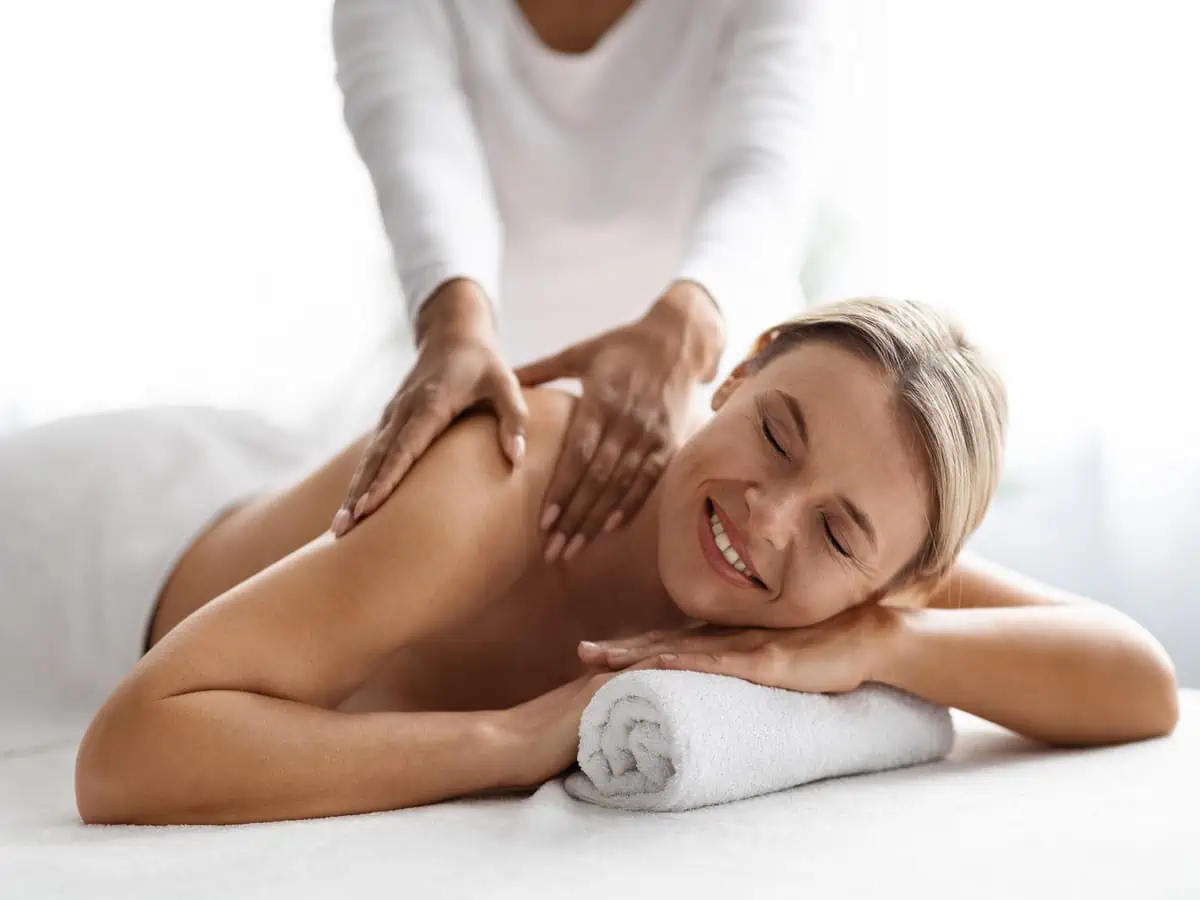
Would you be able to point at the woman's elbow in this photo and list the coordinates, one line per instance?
(1162, 698)
(109, 779)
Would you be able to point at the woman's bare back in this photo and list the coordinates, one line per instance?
(522, 644)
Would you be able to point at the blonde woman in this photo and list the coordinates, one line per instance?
(808, 537)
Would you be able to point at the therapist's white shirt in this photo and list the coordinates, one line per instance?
(686, 144)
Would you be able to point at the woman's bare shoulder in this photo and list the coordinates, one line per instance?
(475, 435)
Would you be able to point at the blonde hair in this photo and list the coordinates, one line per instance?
(953, 397)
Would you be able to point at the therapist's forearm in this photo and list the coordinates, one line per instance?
(459, 308)
(689, 312)
(1063, 674)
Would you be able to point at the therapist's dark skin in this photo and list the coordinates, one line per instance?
(637, 380)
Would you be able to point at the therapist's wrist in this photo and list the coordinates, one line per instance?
(458, 310)
(690, 312)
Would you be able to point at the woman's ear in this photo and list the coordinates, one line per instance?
(730, 384)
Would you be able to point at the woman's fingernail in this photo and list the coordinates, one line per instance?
(590, 646)
(549, 516)
(361, 506)
(555, 547)
(668, 657)
(613, 522)
(340, 522)
(574, 547)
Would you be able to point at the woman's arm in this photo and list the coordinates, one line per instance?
(1041, 662)
(230, 718)
(765, 156)
(404, 104)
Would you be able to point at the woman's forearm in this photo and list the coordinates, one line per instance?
(1069, 674)
(220, 757)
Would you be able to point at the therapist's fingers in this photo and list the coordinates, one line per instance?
(608, 508)
(579, 447)
(652, 468)
(577, 525)
(373, 458)
(513, 413)
(568, 363)
(422, 427)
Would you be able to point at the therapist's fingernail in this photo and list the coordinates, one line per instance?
(590, 646)
(549, 516)
(361, 506)
(613, 522)
(574, 547)
(516, 448)
(555, 547)
(340, 522)
(618, 653)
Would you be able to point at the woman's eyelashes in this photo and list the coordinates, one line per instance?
(837, 545)
(769, 433)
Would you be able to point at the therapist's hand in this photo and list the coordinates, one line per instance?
(458, 366)
(637, 383)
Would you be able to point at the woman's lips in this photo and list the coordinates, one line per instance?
(713, 553)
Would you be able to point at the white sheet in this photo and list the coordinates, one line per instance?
(1000, 818)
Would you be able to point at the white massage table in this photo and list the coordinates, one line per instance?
(1001, 818)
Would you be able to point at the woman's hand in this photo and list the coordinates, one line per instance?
(542, 735)
(830, 657)
(637, 383)
(459, 366)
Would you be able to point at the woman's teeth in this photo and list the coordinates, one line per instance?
(724, 544)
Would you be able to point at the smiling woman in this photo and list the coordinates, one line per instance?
(878, 434)
(432, 652)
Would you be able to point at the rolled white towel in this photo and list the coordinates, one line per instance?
(673, 740)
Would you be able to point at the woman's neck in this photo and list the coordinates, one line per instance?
(622, 568)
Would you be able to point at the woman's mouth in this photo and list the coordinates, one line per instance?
(721, 552)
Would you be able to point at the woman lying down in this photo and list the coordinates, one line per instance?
(806, 537)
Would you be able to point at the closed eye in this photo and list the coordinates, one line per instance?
(770, 435)
(837, 545)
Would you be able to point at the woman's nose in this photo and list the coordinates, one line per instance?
(773, 513)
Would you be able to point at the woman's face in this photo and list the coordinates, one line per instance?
(803, 496)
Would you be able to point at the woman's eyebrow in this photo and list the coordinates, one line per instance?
(860, 519)
(793, 406)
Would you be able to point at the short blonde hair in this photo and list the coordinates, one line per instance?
(953, 397)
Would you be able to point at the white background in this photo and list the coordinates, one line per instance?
(182, 219)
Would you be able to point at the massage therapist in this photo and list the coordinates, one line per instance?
(645, 170)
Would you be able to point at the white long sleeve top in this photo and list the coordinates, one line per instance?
(687, 144)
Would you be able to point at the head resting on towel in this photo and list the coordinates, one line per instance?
(851, 455)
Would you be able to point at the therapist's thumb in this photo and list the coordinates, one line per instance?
(564, 364)
(514, 418)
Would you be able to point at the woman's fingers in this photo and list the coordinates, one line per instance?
(622, 654)
(658, 636)
(739, 664)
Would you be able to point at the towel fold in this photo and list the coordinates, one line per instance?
(674, 740)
